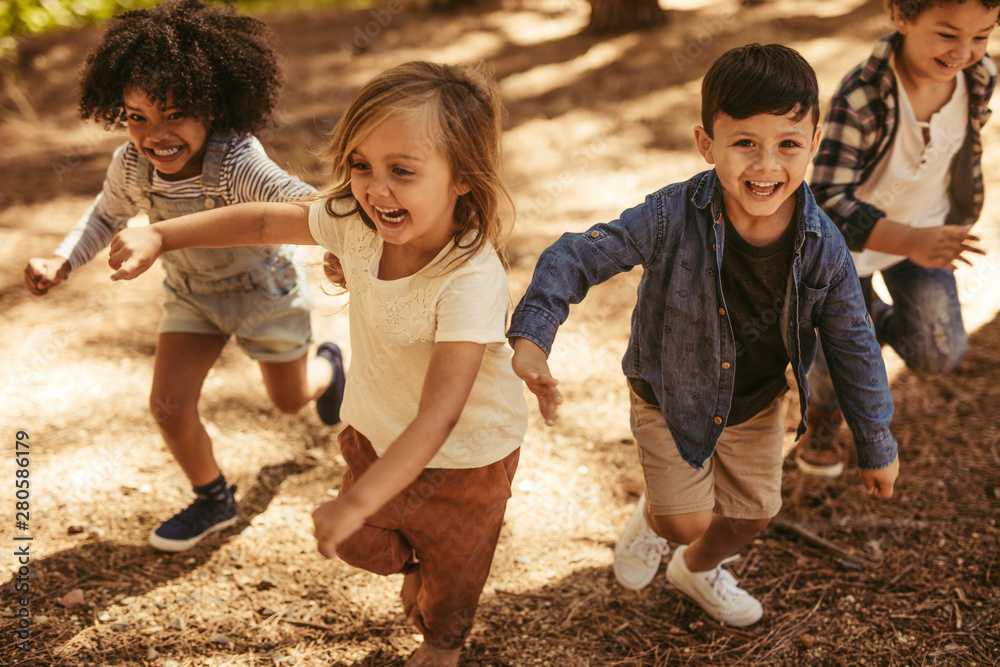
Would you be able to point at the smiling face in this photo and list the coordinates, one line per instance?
(173, 142)
(944, 39)
(760, 162)
(404, 184)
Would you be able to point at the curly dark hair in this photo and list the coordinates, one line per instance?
(216, 62)
(910, 9)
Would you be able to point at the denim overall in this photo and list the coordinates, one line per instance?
(254, 292)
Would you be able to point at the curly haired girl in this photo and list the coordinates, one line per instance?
(191, 83)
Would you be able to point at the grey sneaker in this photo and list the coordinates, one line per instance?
(638, 551)
(715, 591)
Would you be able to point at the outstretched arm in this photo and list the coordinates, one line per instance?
(42, 274)
(531, 365)
(135, 249)
(939, 247)
(450, 376)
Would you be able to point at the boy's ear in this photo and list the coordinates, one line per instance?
(897, 19)
(704, 143)
(817, 135)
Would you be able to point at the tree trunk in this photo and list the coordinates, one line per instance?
(617, 16)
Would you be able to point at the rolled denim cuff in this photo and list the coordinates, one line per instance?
(535, 324)
(876, 455)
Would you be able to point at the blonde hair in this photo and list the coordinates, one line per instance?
(462, 111)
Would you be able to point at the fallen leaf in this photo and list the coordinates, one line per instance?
(73, 599)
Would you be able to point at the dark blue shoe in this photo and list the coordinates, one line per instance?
(202, 517)
(328, 404)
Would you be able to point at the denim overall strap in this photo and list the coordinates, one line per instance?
(211, 169)
(210, 175)
(201, 270)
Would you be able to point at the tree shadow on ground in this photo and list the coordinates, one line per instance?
(105, 570)
(323, 68)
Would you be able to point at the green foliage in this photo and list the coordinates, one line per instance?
(30, 17)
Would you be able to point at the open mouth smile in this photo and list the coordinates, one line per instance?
(392, 216)
(762, 188)
(947, 64)
(165, 152)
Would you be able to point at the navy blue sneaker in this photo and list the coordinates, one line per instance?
(328, 404)
(202, 517)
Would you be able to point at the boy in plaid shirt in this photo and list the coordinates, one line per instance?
(899, 171)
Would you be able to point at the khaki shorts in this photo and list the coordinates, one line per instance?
(741, 480)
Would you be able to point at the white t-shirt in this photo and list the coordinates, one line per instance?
(910, 183)
(394, 325)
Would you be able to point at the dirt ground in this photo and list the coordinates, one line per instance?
(593, 125)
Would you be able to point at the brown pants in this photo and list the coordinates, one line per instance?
(446, 523)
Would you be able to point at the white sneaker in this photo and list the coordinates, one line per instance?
(639, 550)
(715, 591)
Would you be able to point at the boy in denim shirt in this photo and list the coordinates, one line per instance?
(899, 171)
(740, 267)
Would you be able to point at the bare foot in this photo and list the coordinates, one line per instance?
(429, 656)
(411, 588)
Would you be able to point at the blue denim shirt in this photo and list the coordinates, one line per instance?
(682, 341)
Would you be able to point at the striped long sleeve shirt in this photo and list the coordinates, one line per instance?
(247, 175)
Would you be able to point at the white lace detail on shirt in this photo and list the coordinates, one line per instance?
(408, 316)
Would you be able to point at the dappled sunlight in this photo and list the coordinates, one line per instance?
(554, 19)
(470, 45)
(541, 79)
(592, 127)
(824, 9)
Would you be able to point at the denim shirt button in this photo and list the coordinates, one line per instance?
(722, 311)
(725, 364)
(594, 234)
(717, 420)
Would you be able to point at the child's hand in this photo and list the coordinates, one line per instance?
(531, 365)
(333, 270)
(941, 247)
(133, 251)
(879, 482)
(334, 522)
(41, 275)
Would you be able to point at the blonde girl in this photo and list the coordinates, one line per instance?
(435, 413)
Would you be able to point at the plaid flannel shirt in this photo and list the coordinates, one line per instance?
(859, 128)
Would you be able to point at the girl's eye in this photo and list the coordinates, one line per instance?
(945, 36)
(358, 166)
(399, 171)
(135, 118)
(746, 143)
(789, 144)
(177, 115)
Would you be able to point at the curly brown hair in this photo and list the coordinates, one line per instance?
(215, 62)
(910, 9)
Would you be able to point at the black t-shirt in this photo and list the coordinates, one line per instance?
(754, 284)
